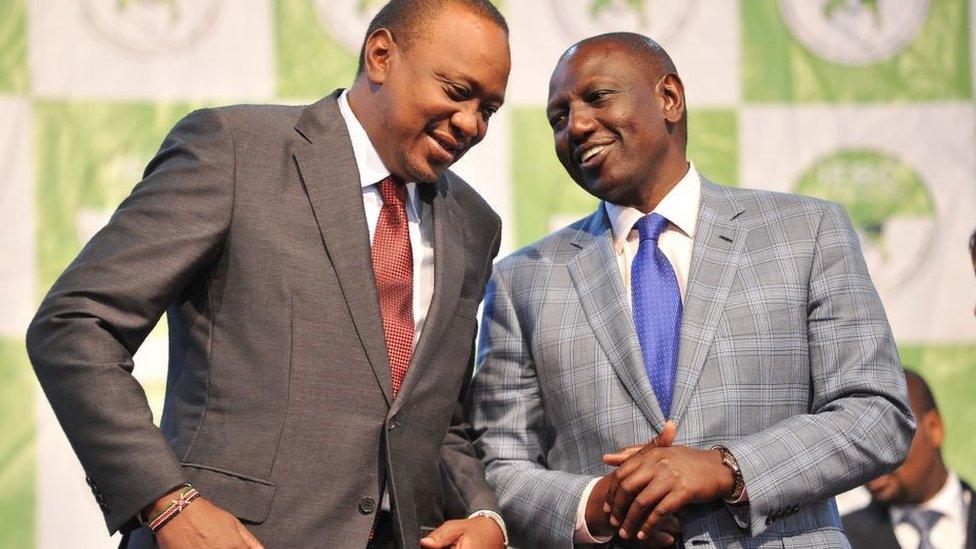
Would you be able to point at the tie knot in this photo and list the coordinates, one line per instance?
(921, 519)
(392, 190)
(651, 226)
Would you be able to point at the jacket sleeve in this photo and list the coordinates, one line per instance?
(462, 472)
(83, 337)
(859, 425)
(506, 411)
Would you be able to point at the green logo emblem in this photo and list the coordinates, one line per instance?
(152, 26)
(854, 32)
(659, 19)
(889, 204)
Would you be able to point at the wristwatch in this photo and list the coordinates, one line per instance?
(739, 485)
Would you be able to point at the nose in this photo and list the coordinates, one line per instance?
(580, 124)
(467, 124)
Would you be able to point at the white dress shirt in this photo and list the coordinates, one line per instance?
(950, 531)
(371, 172)
(680, 207)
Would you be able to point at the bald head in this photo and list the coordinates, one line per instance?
(647, 54)
(919, 393)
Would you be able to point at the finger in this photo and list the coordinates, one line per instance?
(666, 437)
(644, 501)
(626, 470)
(616, 458)
(672, 502)
(629, 488)
(443, 536)
(250, 541)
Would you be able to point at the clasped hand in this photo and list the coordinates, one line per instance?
(655, 480)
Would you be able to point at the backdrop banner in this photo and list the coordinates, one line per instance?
(868, 103)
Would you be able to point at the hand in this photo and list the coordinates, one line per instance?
(202, 524)
(654, 482)
(597, 518)
(472, 533)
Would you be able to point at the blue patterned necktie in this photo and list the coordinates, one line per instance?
(922, 520)
(657, 309)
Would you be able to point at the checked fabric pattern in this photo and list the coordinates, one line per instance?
(393, 268)
(657, 309)
(780, 322)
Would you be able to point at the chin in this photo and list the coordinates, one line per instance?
(424, 172)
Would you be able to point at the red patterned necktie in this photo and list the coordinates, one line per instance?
(393, 267)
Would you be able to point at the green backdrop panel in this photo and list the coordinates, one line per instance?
(951, 372)
(778, 68)
(310, 63)
(17, 454)
(13, 46)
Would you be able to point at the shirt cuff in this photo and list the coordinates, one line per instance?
(495, 517)
(582, 533)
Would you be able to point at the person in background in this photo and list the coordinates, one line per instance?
(922, 504)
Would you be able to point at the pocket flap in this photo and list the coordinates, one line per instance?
(246, 498)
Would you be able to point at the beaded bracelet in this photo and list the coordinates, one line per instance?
(175, 507)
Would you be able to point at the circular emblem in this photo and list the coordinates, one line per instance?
(661, 20)
(152, 26)
(347, 20)
(854, 32)
(890, 206)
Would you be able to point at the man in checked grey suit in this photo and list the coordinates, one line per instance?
(737, 328)
(252, 229)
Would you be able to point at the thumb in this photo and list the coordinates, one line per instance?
(444, 536)
(666, 437)
(249, 540)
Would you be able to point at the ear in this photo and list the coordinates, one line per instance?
(935, 428)
(671, 93)
(378, 52)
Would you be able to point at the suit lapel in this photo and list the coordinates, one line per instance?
(718, 244)
(971, 517)
(449, 260)
(608, 311)
(328, 169)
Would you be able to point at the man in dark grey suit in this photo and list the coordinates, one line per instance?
(321, 323)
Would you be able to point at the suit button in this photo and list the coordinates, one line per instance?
(367, 505)
(394, 424)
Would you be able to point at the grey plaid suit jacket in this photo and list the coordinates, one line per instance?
(786, 358)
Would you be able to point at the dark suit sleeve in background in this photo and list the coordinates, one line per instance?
(83, 338)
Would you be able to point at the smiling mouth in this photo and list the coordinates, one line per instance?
(447, 150)
(591, 156)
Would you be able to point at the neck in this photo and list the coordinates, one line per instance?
(934, 482)
(363, 102)
(660, 184)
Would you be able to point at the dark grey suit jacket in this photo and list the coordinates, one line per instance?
(871, 528)
(249, 231)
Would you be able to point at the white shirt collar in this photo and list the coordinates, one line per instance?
(368, 162)
(948, 501)
(680, 207)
